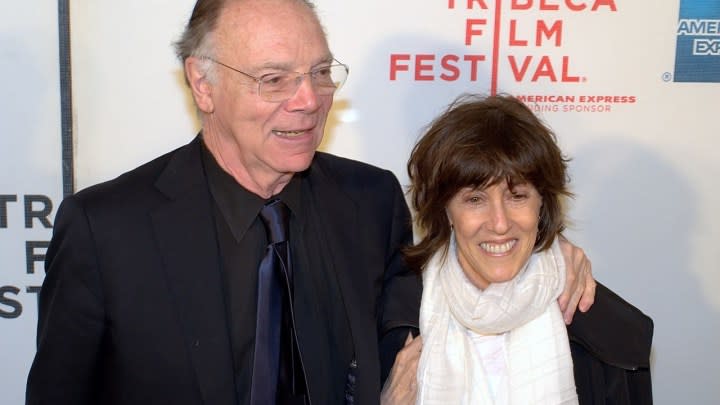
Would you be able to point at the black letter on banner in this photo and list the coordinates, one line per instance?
(41, 214)
(15, 305)
(4, 199)
(33, 289)
(31, 257)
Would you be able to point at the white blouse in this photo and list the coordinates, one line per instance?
(492, 351)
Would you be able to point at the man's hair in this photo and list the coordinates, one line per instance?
(478, 142)
(196, 39)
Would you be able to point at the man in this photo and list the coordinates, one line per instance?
(152, 287)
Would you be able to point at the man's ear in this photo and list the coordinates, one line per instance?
(199, 85)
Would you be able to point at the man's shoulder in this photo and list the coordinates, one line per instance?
(368, 186)
(135, 183)
(343, 169)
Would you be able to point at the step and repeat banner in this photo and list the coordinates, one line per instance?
(31, 176)
(631, 87)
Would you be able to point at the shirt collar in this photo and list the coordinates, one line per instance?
(239, 206)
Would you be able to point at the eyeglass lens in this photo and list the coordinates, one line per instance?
(283, 86)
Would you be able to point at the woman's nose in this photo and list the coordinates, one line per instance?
(499, 222)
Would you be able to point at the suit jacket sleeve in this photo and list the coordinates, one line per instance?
(611, 345)
(71, 316)
(400, 300)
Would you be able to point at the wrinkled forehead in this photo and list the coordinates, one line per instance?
(270, 29)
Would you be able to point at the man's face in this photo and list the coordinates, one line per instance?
(266, 140)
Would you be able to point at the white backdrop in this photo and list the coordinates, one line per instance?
(644, 166)
(30, 176)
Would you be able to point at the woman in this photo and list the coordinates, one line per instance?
(488, 182)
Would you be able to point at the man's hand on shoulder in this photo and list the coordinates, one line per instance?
(580, 285)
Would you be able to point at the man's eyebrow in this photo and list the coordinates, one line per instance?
(286, 67)
(324, 61)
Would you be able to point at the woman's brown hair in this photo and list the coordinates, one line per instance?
(477, 142)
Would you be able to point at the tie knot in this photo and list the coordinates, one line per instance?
(275, 216)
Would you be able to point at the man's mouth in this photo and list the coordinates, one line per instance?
(288, 134)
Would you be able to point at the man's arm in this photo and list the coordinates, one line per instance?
(402, 288)
(580, 285)
(401, 386)
(70, 318)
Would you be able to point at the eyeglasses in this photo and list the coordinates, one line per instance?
(278, 87)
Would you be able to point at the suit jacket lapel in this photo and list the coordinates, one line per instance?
(342, 231)
(187, 238)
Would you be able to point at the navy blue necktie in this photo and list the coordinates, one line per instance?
(278, 376)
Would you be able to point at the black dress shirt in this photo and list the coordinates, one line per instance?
(321, 324)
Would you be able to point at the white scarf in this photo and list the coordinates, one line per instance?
(540, 369)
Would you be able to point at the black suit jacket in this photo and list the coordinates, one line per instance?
(610, 346)
(132, 308)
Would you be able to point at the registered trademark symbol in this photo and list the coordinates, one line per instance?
(667, 76)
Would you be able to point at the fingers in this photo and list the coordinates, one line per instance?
(409, 355)
(588, 297)
(572, 304)
(567, 250)
(413, 344)
(579, 285)
(564, 298)
(408, 339)
(401, 385)
(584, 294)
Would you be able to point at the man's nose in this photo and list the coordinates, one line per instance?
(305, 97)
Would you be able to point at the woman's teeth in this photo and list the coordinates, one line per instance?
(498, 247)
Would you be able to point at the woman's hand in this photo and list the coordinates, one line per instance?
(401, 385)
(579, 290)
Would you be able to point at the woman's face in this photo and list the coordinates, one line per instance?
(495, 229)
